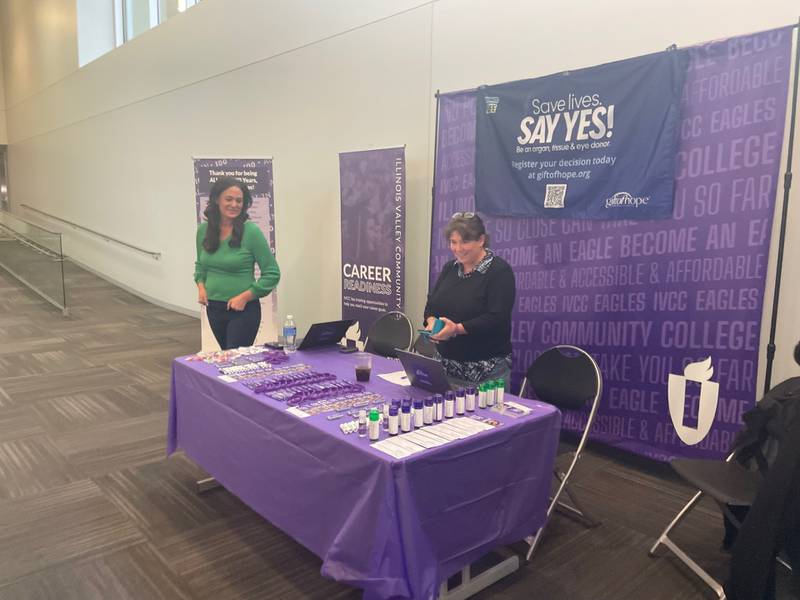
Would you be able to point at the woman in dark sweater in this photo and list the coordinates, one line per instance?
(474, 296)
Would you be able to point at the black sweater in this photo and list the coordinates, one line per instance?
(482, 303)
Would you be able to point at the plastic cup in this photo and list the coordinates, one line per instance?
(363, 366)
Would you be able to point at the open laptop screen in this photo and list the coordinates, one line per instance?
(325, 334)
(423, 372)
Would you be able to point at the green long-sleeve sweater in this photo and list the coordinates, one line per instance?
(229, 271)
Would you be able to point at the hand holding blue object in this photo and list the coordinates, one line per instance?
(438, 325)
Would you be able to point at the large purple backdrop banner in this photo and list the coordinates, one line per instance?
(671, 309)
(373, 189)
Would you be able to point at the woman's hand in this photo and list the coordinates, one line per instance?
(449, 330)
(202, 297)
(240, 301)
(429, 322)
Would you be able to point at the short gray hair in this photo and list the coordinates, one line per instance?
(468, 225)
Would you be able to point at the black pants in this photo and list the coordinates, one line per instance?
(234, 328)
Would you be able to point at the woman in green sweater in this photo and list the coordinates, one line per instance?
(228, 247)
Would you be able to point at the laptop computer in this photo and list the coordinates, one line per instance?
(423, 372)
(324, 334)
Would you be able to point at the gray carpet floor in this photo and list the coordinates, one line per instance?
(91, 507)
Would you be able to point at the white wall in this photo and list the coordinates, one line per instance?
(109, 145)
(40, 46)
(3, 130)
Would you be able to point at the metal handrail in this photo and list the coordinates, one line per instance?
(154, 255)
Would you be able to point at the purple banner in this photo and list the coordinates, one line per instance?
(373, 190)
(256, 174)
(670, 309)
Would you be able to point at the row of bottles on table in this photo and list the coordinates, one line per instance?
(402, 416)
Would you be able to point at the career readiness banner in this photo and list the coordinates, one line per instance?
(596, 143)
(670, 309)
(373, 195)
(256, 173)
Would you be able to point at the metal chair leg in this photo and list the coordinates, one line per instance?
(535, 539)
(678, 518)
(698, 570)
(784, 563)
(204, 485)
(534, 542)
(577, 508)
(555, 501)
(682, 556)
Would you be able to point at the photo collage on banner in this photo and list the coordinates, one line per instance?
(256, 173)
(671, 309)
(373, 196)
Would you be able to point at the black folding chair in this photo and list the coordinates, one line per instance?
(728, 483)
(390, 332)
(566, 377)
(736, 482)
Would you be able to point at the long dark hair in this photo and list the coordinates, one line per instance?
(211, 241)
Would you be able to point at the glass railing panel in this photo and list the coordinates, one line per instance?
(34, 256)
(34, 233)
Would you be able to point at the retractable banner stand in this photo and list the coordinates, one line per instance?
(373, 194)
(671, 309)
(596, 143)
(256, 173)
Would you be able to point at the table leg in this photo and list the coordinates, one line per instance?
(204, 485)
(470, 586)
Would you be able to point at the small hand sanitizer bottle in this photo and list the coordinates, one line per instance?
(362, 423)
(374, 425)
(393, 420)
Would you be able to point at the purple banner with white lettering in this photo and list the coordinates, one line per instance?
(256, 174)
(670, 309)
(595, 143)
(373, 190)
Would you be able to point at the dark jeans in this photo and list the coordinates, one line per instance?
(234, 328)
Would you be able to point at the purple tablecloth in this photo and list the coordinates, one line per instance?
(396, 528)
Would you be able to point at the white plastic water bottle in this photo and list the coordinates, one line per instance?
(289, 334)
